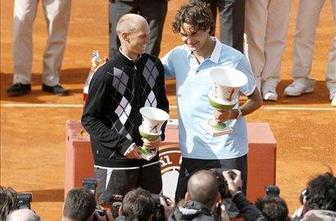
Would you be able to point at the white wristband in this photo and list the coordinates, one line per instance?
(240, 113)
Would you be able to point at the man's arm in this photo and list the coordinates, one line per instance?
(167, 62)
(253, 102)
(254, 98)
(162, 100)
(248, 210)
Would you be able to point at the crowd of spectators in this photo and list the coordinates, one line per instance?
(264, 23)
(202, 201)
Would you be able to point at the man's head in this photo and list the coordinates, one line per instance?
(138, 204)
(203, 188)
(133, 33)
(7, 201)
(321, 192)
(194, 22)
(23, 215)
(79, 205)
(273, 208)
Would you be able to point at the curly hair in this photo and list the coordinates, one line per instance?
(321, 192)
(196, 14)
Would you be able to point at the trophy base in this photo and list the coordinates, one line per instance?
(215, 129)
(147, 154)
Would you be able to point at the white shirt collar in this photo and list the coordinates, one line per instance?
(127, 56)
(217, 51)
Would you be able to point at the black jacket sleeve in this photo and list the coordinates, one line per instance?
(95, 112)
(248, 210)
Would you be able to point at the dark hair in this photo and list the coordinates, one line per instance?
(7, 201)
(196, 14)
(203, 188)
(79, 204)
(138, 204)
(321, 192)
(274, 208)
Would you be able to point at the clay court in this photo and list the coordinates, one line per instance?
(33, 126)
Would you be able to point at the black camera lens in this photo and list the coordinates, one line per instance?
(23, 200)
(115, 209)
(91, 184)
(272, 190)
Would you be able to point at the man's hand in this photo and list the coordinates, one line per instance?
(224, 115)
(152, 144)
(107, 217)
(133, 152)
(235, 184)
(168, 205)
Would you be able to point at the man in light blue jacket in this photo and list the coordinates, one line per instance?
(190, 65)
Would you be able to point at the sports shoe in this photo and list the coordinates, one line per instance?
(333, 101)
(57, 89)
(332, 97)
(18, 89)
(269, 93)
(300, 86)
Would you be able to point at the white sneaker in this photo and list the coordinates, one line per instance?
(332, 97)
(269, 93)
(333, 102)
(300, 86)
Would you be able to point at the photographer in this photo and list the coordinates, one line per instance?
(137, 205)
(319, 199)
(23, 215)
(7, 201)
(16, 206)
(272, 206)
(80, 205)
(249, 211)
(200, 200)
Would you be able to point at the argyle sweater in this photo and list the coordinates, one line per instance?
(111, 116)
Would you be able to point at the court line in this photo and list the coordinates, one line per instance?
(173, 107)
(28, 105)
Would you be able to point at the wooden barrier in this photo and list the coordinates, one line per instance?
(261, 158)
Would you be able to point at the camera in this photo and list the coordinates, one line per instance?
(158, 214)
(221, 182)
(90, 184)
(272, 190)
(23, 200)
(116, 204)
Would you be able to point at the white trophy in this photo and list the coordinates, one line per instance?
(150, 129)
(223, 96)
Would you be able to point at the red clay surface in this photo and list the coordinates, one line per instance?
(33, 137)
